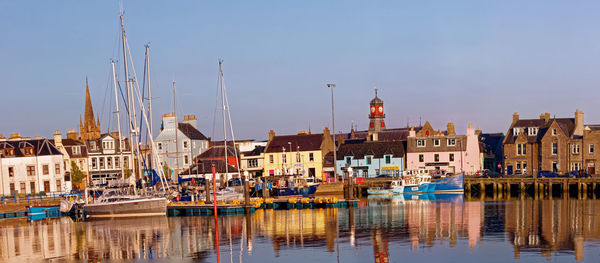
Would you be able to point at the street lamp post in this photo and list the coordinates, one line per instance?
(333, 130)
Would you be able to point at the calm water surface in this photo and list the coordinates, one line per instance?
(379, 230)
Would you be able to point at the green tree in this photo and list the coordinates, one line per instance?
(126, 170)
(77, 175)
(166, 171)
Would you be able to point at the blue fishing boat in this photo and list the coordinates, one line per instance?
(41, 212)
(379, 191)
(454, 183)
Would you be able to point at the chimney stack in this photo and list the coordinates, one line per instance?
(191, 119)
(450, 128)
(271, 135)
(57, 138)
(71, 134)
(578, 123)
(515, 117)
(545, 116)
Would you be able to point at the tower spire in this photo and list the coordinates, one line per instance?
(91, 128)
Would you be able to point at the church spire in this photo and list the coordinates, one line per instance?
(91, 129)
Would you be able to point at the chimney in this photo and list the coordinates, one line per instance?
(470, 130)
(57, 138)
(271, 135)
(450, 128)
(169, 121)
(191, 119)
(515, 117)
(412, 132)
(301, 132)
(2, 137)
(15, 136)
(38, 137)
(71, 134)
(545, 116)
(578, 123)
(326, 132)
(478, 131)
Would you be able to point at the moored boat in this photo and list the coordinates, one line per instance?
(453, 183)
(126, 206)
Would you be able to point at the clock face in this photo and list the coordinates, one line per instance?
(372, 109)
(380, 109)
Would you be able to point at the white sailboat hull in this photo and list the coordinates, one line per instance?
(128, 208)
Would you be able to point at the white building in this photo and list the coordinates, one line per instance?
(30, 166)
(106, 156)
(252, 161)
(190, 142)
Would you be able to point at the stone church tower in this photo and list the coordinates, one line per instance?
(89, 128)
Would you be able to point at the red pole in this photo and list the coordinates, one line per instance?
(215, 211)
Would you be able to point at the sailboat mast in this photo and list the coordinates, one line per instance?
(129, 104)
(222, 79)
(112, 62)
(149, 86)
(176, 128)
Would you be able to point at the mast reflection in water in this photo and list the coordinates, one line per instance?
(379, 230)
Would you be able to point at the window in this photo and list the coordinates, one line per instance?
(516, 131)
(436, 157)
(185, 144)
(45, 169)
(452, 142)
(524, 167)
(532, 131)
(270, 158)
(436, 142)
(451, 157)
(94, 163)
(47, 186)
(159, 146)
(126, 161)
(101, 162)
(186, 159)
(311, 157)
(12, 189)
(93, 145)
(109, 162)
(117, 163)
(283, 158)
(57, 168)
(297, 157)
(23, 189)
(554, 132)
(420, 143)
(58, 186)
(30, 170)
(11, 171)
(75, 150)
(253, 163)
(554, 148)
(518, 167)
(388, 159)
(421, 158)
(369, 159)
(521, 149)
(591, 148)
(349, 159)
(575, 148)
(32, 187)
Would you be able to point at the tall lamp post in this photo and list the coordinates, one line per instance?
(333, 131)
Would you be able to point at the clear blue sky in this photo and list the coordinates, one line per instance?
(462, 61)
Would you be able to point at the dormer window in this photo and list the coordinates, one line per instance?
(421, 143)
(516, 131)
(28, 151)
(436, 142)
(451, 142)
(532, 131)
(75, 150)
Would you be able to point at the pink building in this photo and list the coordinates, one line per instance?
(443, 150)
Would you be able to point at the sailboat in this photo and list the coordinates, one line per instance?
(121, 198)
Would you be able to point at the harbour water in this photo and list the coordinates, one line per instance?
(402, 229)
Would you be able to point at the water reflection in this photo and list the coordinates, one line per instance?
(379, 230)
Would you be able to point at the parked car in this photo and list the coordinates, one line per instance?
(578, 174)
(547, 174)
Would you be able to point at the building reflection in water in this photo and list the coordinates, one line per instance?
(531, 226)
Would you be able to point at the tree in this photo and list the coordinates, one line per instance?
(77, 175)
(166, 171)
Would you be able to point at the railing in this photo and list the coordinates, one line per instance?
(18, 198)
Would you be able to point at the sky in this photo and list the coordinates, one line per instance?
(439, 61)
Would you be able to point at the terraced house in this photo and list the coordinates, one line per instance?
(371, 159)
(550, 144)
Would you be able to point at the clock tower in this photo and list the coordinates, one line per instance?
(376, 115)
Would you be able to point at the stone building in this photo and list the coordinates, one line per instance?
(549, 144)
(73, 150)
(371, 159)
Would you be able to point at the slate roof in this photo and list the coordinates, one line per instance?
(396, 134)
(258, 150)
(191, 132)
(301, 142)
(205, 167)
(216, 152)
(41, 147)
(377, 149)
(567, 125)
